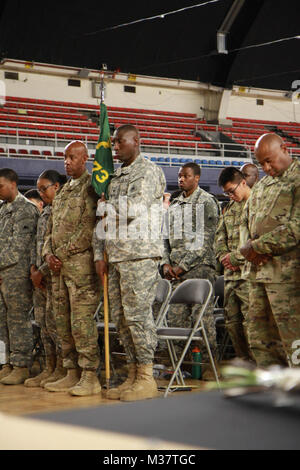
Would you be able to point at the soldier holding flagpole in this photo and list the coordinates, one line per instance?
(133, 250)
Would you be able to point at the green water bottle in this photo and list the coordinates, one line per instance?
(196, 368)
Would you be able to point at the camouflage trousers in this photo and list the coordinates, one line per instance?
(274, 322)
(185, 315)
(15, 323)
(75, 300)
(236, 307)
(44, 316)
(132, 289)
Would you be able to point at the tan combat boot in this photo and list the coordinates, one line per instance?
(143, 387)
(87, 385)
(59, 373)
(115, 393)
(5, 371)
(63, 385)
(17, 376)
(36, 381)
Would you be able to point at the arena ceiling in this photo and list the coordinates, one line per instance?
(261, 42)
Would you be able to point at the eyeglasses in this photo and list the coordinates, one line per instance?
(43, 190)
(231, 191)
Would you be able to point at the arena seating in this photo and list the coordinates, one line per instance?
(41, 128)
(62, 121)
(247, 131)
(51, 124)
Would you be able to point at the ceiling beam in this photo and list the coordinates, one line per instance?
(225, 27)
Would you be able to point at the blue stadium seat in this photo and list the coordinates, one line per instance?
(234, 163)
(167, 159)
(218, 162)
(183, 160)
(198, 161)
(204, 162)
(153, 159)
(241, 163)
(212, 162)
(161, 160)
(226, 163)
(175, 160)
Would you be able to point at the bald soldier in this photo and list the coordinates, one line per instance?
(69, 254)
(270, 233)
(251, 174)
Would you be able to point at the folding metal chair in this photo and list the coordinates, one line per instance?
(219, 294)
(223, 338)
(189, 292)
(164, 290)
(38, 352)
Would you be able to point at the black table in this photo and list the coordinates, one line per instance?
(205, 419)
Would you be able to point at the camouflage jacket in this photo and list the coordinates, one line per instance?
(189, 231)
(71, 224)
(272, 219)
(227, 238)
(36, 255)
(134, 209)
(18, 222)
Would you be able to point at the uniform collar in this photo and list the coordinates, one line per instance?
(288, 171)
(124, 170)
(73, 183)
(47, 210)
(190, 199)
(291, 168)
(10, 205)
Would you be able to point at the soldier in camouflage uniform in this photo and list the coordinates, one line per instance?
(34, 196)
(135, 205)
(251, 174)
(227, 240)
(188, 248)
(270, 234)
(76, 291)
(48, 184)
(18, 220)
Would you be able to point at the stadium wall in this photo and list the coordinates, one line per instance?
(44, 81)
(266, 105)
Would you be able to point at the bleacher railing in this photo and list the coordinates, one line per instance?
(167, 152)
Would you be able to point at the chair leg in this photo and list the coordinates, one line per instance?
(210, 354)
(177, 368)
(174, 359)
(224, 345)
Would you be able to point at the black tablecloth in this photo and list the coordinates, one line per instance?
(199, 419)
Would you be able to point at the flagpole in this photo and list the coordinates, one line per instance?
(106, 327)
(105, 286)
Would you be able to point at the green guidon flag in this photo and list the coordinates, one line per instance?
(103, 162)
